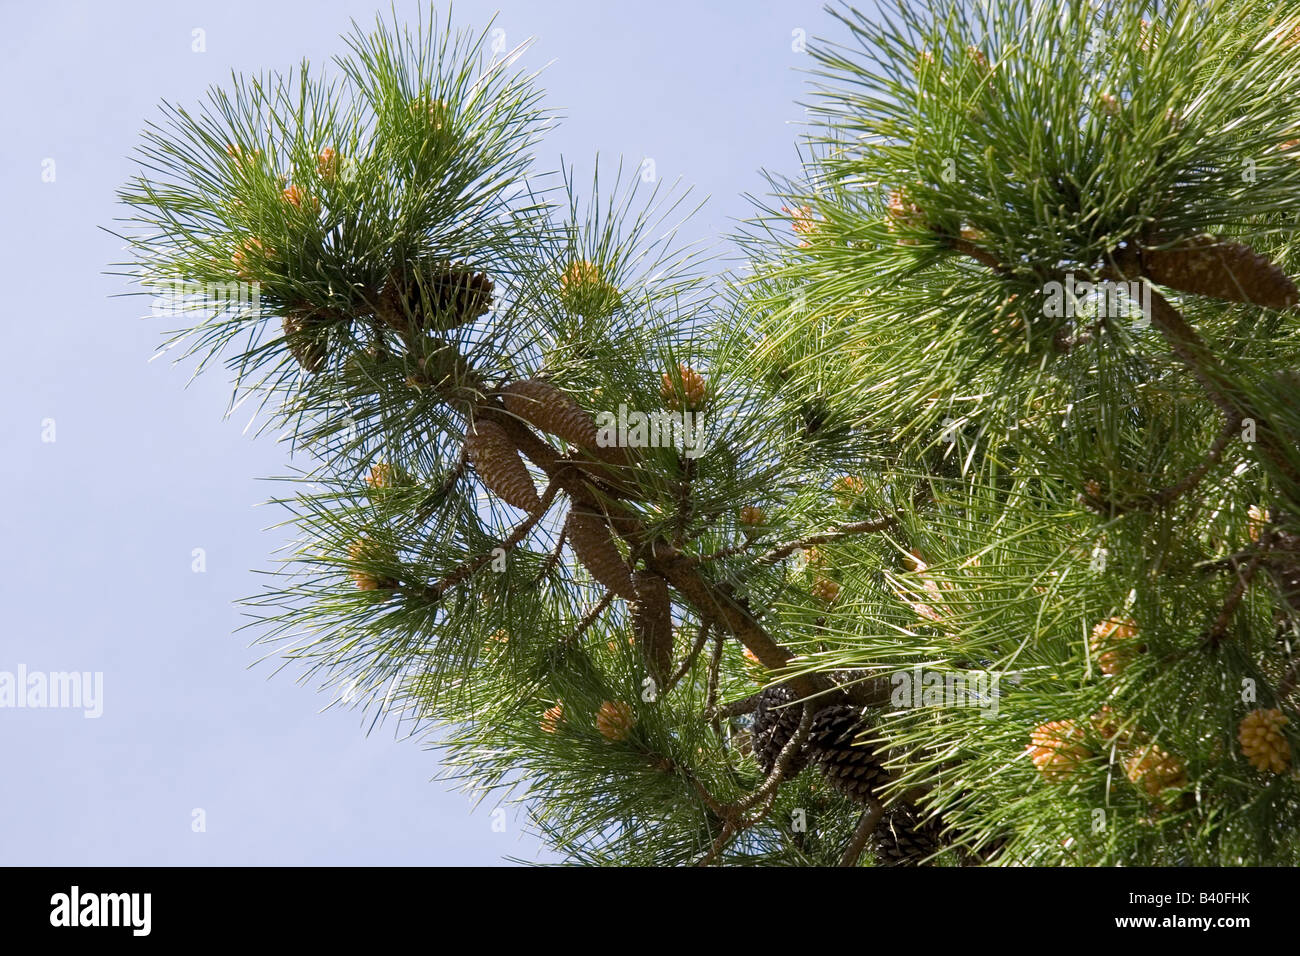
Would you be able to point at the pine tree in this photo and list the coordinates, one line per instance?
(973, 564)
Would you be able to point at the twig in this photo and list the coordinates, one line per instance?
(444, 489)
(968, 248)
(590, 618)
(1230, 430)
(783, 761)
(469, 568)
(553, 559)
(1220, 628)
(836, 533)
(689, 660)
(733, 819)
(866, 826)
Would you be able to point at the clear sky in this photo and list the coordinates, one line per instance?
(100, 524)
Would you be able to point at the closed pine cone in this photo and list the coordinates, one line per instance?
(687, 384)
(552, 717)
(903, 840)
(590, 538)
(652, 623)
(1221, 269)
(1112, 644)
(306, 339)
(497, 462)
(544, 406)
(775, 723)
(1056, 749)
(853, 769)
(432, 294)
(1154, 769)
(365, 554)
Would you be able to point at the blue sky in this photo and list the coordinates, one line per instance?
(101, 522)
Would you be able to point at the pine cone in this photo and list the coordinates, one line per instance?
(590, 538)
(366, 555)
(1056, 749)
(775, 723)
(1206, 265)
(687, 384)
(544, 406)
(615, 720)
(1262, 741)
(497, 462)
(586, 292)
(652, 623)
(1112, 644)
(327, 164)
(902, 840)
(431, 294)
(306, 338)
(855, 770)
(1154, 769)
(825, 590)
(552, 717)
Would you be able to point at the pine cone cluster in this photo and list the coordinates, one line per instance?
(849, 766)
(848, 490)
(853, 769)
(1262, 740)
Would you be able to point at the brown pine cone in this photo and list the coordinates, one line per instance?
(544, 406)
(652, 624)
(853, 769)
(776, 718)
(497, 462)
(431, 294)
(590, 538)
(902, 840)
(1221, 269)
